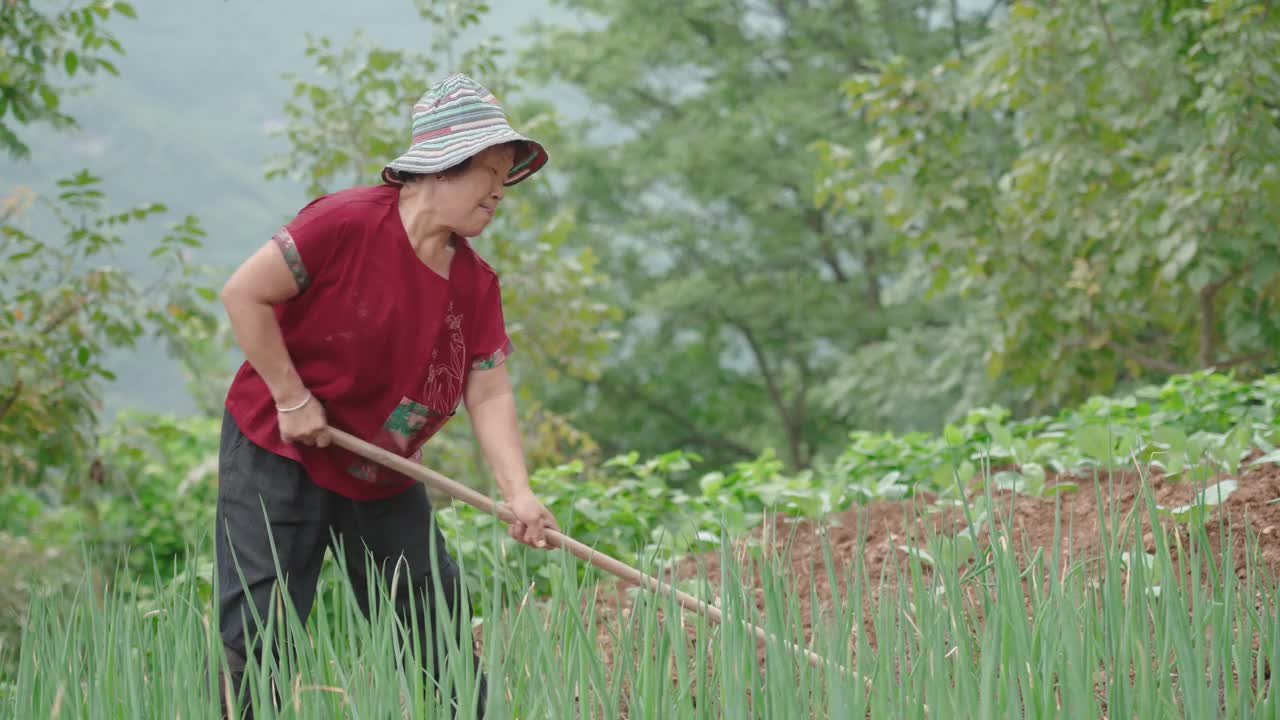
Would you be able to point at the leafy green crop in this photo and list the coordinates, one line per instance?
(1192, 428)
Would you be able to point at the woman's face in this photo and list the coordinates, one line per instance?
(467, 201)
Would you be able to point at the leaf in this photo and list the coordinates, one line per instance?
(1216, 494)
(952, 435)
(380, 60)
(711, 483)
(1094, 441)
(1171, 436)
(943, 476)
(83, 355)
(1023, 11)
(918, 554)
(49, 96)
(72, 62)
(1060, 489)
(207, 293)
(1000, 435)
(1271, 457)
(1148, 560)
(1011, 481)
(1211, 496)
(1033, 475)
(959, 548)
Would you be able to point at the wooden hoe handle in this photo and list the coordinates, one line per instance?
(482, 502)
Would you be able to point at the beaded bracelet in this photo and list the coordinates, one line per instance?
(299, 406)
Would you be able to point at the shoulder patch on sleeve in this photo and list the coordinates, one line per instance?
(284, 240)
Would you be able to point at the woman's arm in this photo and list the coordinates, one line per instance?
(259, 283)
(491, 404)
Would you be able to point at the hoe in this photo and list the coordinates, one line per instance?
(601, 560)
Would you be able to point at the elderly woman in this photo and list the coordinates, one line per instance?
(370, 311)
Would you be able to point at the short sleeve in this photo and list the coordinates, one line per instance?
(492, 345)
(308, 241)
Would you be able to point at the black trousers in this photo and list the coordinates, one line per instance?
(303, 519)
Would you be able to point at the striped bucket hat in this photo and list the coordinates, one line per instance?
(456, 119)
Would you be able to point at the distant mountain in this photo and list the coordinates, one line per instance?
(187, 123)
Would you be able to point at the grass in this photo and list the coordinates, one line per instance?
(1016, 634)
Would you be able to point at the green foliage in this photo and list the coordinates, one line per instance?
(73, 498)
(1194, 513)
(41, 52)
(1192, 428)
(744, 301)
(344, 128)
(158, 497)
(63, 307)
(348, 128)
(31, 570)
(137, 519)
(626, 508)
(152, 498)
(1099, 173)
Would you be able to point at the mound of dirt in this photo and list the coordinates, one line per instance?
(876, 532)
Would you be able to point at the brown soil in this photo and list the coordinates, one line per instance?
(876, 532)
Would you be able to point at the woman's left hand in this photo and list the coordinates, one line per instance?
(531, 521)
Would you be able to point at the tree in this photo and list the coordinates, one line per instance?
(36, 48)
(745, 300)
(63, 306)
(343, 128)
(1103, 173)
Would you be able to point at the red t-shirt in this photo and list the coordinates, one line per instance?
(386, 343)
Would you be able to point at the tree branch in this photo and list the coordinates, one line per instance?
(1209, 316)
(799, 406)
(9, 401)
(1213, 287)
(672, 111)
(774, 388)
(817, 222)
(65, 315)
(869, 264)
(956, 36)
(991, 11)
(692, 428)
(770, 380)
(9, 210)
(1208, 320)
(1115, 50)
(1151, 363)
(1243, 359)
(791, 429)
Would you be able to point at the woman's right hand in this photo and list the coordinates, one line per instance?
(306, 425)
